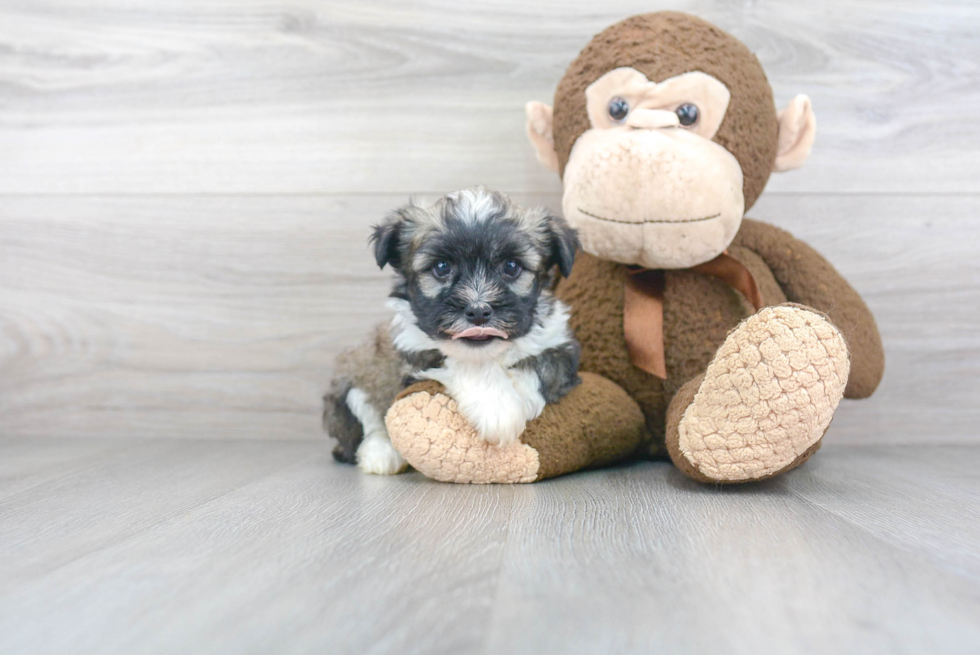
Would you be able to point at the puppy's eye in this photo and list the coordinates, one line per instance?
(618, 108)
(441, 270)
(512, 269)
(687, 114)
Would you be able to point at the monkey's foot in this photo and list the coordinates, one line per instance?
(427, 429)
(765, 400)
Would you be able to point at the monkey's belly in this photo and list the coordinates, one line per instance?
(698, 313)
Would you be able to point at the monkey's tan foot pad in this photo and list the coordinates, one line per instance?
(430, 433)
(765, 400)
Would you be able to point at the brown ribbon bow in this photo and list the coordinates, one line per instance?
(643, 308)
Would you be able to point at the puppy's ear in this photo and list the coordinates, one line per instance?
(564, 243)
(386, 238)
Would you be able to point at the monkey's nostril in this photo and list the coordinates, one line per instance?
(478, 313)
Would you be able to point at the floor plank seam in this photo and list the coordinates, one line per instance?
(916, 553)
(164, 518)
(498, 582)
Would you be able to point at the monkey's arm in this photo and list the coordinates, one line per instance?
(809, 279)
(595, 424)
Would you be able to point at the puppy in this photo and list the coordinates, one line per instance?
(473, 309)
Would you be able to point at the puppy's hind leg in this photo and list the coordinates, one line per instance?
(366, 380)
(340, 423)
(375, 454)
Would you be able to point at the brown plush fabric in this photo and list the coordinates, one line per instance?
(594, 425)
(594, 291)
(662, 45)
(675, 412)
(809, 279)
(643, 307)
(735, 274)
(700, 311)
(426, 386)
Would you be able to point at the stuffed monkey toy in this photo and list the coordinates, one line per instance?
(720, 342)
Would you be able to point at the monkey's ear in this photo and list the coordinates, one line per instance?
(539, 131)
(564, 243)
(797, 130)
(385, 240)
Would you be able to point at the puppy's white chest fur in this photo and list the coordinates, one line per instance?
(496, 395)
(497, 401)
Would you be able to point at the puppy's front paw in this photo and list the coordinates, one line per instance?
(376, 455)
(501, 426)
(486, 397)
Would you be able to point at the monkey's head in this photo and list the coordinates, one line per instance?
(664, 132)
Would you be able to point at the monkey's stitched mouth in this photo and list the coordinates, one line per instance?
(683, 220)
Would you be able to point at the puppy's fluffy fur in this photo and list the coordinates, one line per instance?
(473, 310)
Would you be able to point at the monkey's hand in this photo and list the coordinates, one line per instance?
(498, 403)
(595, 424)
(427, 427)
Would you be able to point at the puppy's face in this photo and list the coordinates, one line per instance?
(473, 265)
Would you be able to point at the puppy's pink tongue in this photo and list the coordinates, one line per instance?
(477, 331)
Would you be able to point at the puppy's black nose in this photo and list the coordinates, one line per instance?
(478, 313)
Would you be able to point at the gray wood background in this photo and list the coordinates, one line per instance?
(186, 189)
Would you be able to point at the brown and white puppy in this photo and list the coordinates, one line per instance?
(474, 311)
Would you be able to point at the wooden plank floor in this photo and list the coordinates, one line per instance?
(221, 546)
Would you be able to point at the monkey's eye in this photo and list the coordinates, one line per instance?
(618, 108)
(687, 114)
(441, 270)
(512, 269)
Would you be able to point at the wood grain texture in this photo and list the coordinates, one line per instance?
(294, 554)
(220, 316)
(238, 547)
(750, 569)
(181, 96)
